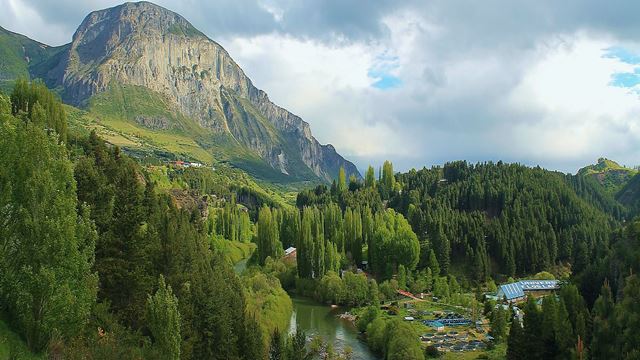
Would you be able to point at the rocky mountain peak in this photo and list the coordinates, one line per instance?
(144, 44)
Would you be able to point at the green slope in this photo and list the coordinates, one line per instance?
(13, 347)
(19, 55)
(611, 175)
(144, 122)
(629, 195)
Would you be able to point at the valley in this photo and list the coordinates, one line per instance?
(155, 204)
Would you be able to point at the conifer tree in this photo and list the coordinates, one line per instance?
(46, 246)
(516, 343)
(498, 324)
(604, 339)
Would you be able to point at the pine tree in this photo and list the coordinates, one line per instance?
(628, 318)
(564, 335)
(433, 263)
(498, 324)
(604, 339)
(276, 348)
(253, 346)
(533, 330)
(516, 344)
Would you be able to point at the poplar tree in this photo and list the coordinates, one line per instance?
(163, 319)
(370, 178)
(342, 180)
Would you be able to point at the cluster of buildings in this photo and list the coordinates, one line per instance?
(186, 164)
(518, 291)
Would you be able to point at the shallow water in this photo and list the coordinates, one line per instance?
(316, 319)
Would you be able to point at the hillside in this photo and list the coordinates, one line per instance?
(141, 70)
(609, 173)
(19, 55)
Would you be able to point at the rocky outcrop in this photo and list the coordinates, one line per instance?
(146, 45)
(153, 122)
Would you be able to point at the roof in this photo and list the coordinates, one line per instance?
(289, 250)
(435, 324)
(533, 285)
(516, 290)
(511, 291)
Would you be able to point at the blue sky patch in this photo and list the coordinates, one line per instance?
(627, 80)
(622, 54)
(383, 72)
(387, 82)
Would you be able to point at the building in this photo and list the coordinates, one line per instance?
(290, 253)
(436, 325)
(518, 291)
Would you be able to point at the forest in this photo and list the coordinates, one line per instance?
(102, 257)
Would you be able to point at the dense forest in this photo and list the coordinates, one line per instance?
(98, 263)
(102, 257)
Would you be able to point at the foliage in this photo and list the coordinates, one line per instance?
(266, 302)
(394, 339)
(163, 319)
(46, 240)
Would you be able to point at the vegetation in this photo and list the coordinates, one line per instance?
(102, 255)
(609, 174)
(61, 201)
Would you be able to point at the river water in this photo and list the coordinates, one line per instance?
(321, 320)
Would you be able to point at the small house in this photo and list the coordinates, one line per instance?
(290, 252)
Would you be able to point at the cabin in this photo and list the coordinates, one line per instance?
(518, 291)
(290, 253)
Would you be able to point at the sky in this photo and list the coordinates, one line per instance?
(421, 82)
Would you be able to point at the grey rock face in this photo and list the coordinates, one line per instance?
(144, 44)
(153, 122)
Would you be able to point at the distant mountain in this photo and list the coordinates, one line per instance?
(19, 55)
(609, 174)
(125, 59)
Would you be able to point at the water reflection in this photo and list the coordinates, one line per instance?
(322, 320)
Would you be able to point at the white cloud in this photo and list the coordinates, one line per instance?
(579, 115)
(490, 80)
(326, 85)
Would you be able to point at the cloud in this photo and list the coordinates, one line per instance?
(554, 83)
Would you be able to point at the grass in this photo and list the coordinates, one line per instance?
(113, 115)
(497, 353)
(609, 173)
(235, 251)
(13, 347)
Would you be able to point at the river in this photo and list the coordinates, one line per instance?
(316, 319)
(321, 320)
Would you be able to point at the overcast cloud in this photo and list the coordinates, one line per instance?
(550, 83)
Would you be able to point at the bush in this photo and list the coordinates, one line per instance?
(432, 352)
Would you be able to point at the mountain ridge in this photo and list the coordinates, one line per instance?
(143, 44)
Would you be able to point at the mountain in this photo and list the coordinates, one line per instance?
(19, 55)
(206, 99)
(609, 174)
